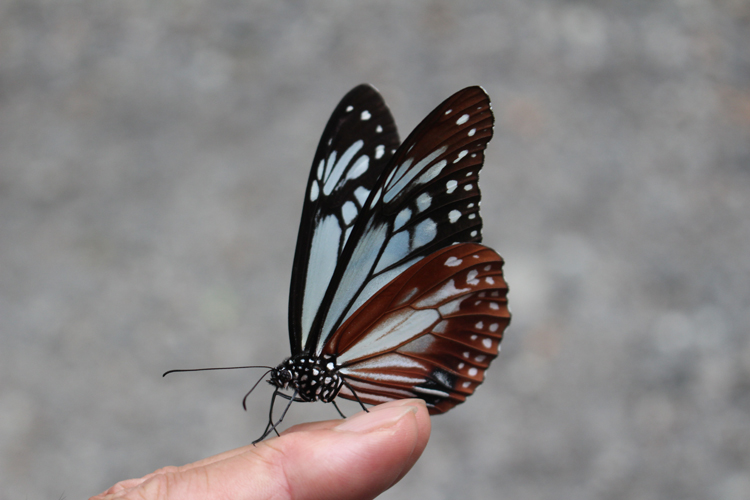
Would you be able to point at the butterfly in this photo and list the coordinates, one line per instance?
(391, 295)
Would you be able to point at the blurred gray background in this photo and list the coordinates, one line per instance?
(153, 158)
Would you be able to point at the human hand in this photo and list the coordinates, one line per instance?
(352, 459)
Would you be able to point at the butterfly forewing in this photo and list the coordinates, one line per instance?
(426, 199)
(356, 145)
(430, 333)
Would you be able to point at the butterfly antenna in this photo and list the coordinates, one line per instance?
(244, 400)
(219, 368)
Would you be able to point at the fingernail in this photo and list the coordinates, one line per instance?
(376, 419)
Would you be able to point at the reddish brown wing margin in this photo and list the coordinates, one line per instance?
(430, 333)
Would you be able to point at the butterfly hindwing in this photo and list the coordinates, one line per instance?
(430, 333)
(426, 199)
(355, 147)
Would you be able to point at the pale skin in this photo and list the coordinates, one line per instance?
(352, 459)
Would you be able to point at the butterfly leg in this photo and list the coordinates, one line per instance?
(291, 399)
(338, 409)
(270, 425)
(355, 396)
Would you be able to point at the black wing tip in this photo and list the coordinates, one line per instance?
(474, 89)
(365, 86)
(362, 89)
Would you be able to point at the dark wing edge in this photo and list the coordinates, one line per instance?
(357, 143)
(430, 333)
(428, 198)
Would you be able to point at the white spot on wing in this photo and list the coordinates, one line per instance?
(487, 342)
(349, 212)
(333, 179)
(424, 201)
(478, 326)
(361, 194)
(314, 191)
(489, 280)
(472, 132)
(379, 151)
(468, 187)
(448, 112)
(365, 115)
(360, 167)
(454, 215)
(461, 155)
(473, 372)
(433, 172)
(349, 108)
(401, 219)
(433, 392)
(450, 307)
(321, 166)
(424, 233)
(442, 294)
(464, 118)
(493, 327)
(408, 296)
(378, 129)
(453, 261)
(471, 277)
(450, 186)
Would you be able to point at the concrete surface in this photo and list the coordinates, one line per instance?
(153, 157)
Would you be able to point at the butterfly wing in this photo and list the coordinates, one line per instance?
(430, 333)
(426, 199)
(357, 143)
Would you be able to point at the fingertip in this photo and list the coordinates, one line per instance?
(366, 453)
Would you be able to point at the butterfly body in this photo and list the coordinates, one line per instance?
(312, 378)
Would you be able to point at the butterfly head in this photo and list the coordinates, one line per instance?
(280, 377)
